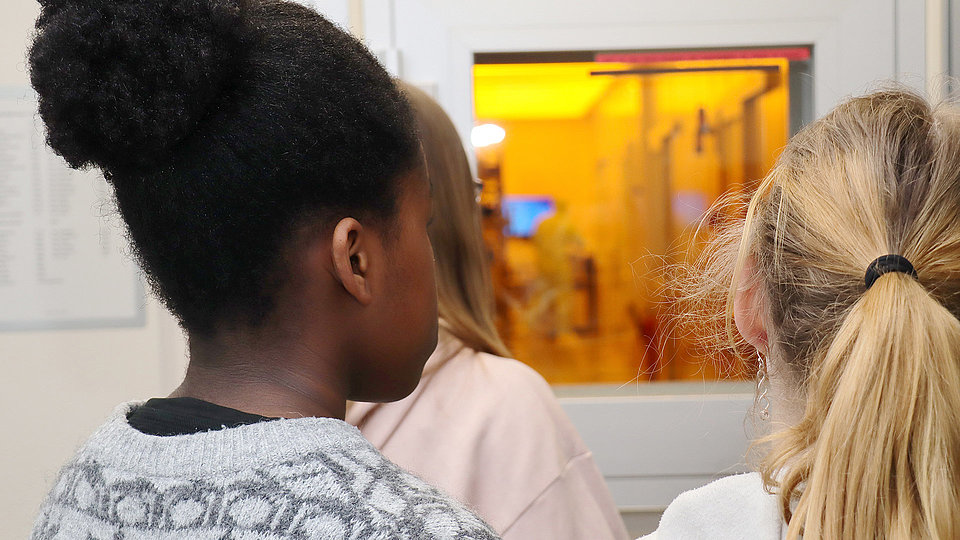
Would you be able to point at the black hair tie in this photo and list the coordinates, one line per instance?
(888, 263)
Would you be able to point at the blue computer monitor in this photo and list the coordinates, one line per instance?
(525, 212)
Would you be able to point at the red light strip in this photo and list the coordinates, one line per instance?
(790, 53)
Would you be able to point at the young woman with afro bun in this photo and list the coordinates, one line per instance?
(271, 182)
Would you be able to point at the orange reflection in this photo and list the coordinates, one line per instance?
(599, 179)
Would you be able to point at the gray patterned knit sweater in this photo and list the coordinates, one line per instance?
(304, 478)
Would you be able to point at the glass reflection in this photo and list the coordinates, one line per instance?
(601, 172)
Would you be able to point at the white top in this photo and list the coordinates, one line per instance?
(732, 508)
(489, 431)
(278, 479)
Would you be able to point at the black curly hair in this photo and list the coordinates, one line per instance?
(223, 125)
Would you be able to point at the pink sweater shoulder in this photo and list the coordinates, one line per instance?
(489, 431)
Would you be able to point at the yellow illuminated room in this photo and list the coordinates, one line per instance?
(595, 174)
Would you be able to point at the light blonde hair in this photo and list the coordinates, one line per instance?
(877, 451)
(464, 291)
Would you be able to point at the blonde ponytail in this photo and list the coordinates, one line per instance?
(876, 454)
(877, 451)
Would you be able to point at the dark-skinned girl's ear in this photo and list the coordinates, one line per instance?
(351, 258)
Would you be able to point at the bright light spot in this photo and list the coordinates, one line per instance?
(486, 134)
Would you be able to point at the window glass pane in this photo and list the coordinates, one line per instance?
(594, 174)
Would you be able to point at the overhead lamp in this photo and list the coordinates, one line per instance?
(486, 135)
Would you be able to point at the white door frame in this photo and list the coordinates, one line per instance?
(654, 446)
(855, 43)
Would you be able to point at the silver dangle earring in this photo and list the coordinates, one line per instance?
(763, 388)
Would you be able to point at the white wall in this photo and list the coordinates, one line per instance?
(57, 386)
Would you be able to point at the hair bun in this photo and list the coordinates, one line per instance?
(123, 81)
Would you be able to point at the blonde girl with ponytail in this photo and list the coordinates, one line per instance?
(844, 278)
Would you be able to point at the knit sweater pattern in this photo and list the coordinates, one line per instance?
(315, 478)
